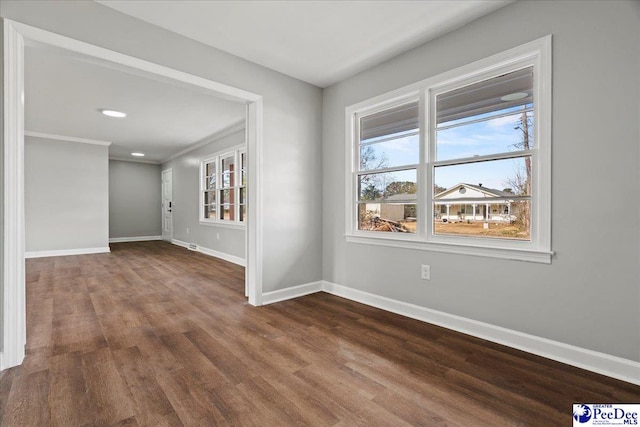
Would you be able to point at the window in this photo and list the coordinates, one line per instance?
(459, 162)
(484, 143)
(223, 192)
(387, 173)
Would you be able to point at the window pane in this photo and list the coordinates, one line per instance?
(488, 117)
(227, 213)
(494, 219)
(244, 168)
(227, 180)
(228, 168)
(228, 164)
(210, 177)
(243, 195)
(387, 217)
(496, 135)
(471, 195)
(209, 197)
(491, 179)
(399, 151)
(210, 211)
(243, 212)
(226, 196)
(388, 186)
(210, 182)
(211, 169)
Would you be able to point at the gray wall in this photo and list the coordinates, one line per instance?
(292, 119)
(66, 195)
(134, 199)
(186, 200)
(589, 296)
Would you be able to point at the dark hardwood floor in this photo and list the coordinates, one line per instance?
(153, 334)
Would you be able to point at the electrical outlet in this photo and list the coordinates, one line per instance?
(187, 230)
(218, 236)
(425, 272)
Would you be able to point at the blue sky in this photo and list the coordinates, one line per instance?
(476, 139)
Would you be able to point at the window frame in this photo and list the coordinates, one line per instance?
(536, 54)
(216, 158)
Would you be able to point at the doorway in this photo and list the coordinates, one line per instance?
(13, 283)
(167, 205)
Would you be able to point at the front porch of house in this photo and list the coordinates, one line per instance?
(452, 212)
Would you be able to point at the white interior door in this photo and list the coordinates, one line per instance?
(167, 204)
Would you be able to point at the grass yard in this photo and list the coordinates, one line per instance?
(511, 231)
(499, 230)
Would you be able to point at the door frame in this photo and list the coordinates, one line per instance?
(170, 172)
(15, 35)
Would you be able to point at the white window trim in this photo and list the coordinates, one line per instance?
(536, 53)
(236, 152)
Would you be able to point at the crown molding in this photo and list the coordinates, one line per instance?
(123, 159)
(66, 138)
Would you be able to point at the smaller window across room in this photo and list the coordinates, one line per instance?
(457, 163)
(223, 190)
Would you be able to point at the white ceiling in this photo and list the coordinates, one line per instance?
(63, 92)
(320, 42)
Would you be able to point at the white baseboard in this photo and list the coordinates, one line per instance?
(231, 258)
(133, 239)
(180, 243)
(216, 254)
(292, 292)
(13, 358)
(66, 252)
(601, 363)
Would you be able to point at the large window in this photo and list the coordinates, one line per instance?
(223, 191)
(459, 162)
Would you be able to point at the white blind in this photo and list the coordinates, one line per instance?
(485, 97)
(397, 119)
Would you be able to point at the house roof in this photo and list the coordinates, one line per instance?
(491, 192)
(400, 196)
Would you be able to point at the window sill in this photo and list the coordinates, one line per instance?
(234, 226)
(542, 257)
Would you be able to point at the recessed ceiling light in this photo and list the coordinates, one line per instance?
(138, 154)
(514, 96)
(113, 113)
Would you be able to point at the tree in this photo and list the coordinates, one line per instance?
(371, 185)
(369, 160)
(519, 187)
(524, 124)
(520, 183)
(370, 192)
(437, 189)
(400, 187)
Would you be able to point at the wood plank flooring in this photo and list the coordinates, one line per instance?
(155, 335)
